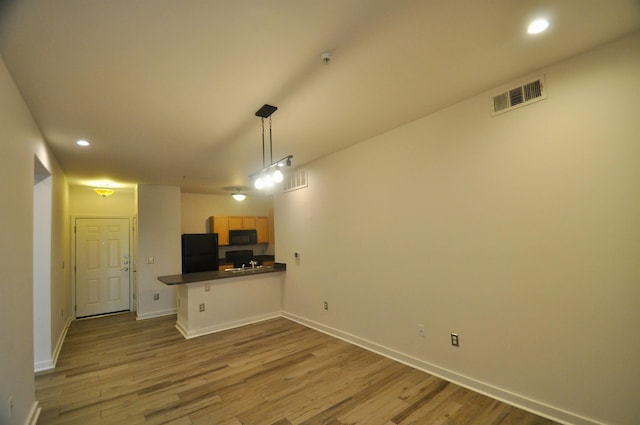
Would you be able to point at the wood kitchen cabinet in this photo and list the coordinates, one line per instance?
(262, 227)
(220, 225)
(237, 222)
(272, 230)
(248, 222)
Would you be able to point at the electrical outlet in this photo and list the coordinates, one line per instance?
(156, 297)
(207, 287)
(201, 307)
(455, 341)
(326, 305)
(421, 331)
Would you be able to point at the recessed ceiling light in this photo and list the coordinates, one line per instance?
(537, 26)
(82, 143)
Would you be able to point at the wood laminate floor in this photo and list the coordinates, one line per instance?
(116, 370)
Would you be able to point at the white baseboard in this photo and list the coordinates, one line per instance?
(51, 363)
(43, 365)
(34, 414)
(58, 347)
(225, 326)
(524, 403)
(153, 314)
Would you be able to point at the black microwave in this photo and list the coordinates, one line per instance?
(243, 237)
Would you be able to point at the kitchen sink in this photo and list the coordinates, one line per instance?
(246, 269)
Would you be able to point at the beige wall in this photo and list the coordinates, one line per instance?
(196, 209)
(61, 303)
(20, 142)
(158, 237)
(83, 201)
(519, 232)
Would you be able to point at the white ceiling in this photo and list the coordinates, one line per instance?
(166, 91)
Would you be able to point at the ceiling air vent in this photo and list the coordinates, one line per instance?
(296, 180)
(525, 94)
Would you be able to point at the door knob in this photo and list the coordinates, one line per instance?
(126, 269)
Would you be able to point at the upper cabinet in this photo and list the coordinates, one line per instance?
(241, 222)
(262, 226)
(222, 224)
(272, 230)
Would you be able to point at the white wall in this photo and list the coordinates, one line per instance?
(196, 208)
(61, 303)
(20, 142)
(42, 339)
(519, 232)
(158, 237)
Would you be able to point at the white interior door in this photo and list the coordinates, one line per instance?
(102, 266)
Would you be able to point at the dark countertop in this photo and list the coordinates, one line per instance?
(179, 279)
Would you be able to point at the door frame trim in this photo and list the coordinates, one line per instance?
(133, 256)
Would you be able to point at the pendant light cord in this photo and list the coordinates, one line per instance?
(270, 142)
(263, 163)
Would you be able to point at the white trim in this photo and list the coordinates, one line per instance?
(513, 399)
(51, 364)
(158, 313)
(34, 414)
(226, 326)
(58, 347)
(43, 365)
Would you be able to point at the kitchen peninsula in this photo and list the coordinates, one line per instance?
(217, 300)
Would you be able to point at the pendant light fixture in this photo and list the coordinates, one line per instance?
(238, 196)
(269, 174)
(103, 192)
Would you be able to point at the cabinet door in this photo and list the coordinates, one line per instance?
(262, 226)
(235, 223)
(220, 225)
(272, 232)
(248, 222)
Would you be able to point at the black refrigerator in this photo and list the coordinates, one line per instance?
(199, 252)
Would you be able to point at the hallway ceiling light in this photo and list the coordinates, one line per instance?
(238, 196)
(83, 142)
(538, 26)
(103, 192)
(272, 173)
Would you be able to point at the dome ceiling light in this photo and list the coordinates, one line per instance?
(239, 196)
(538, 26)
